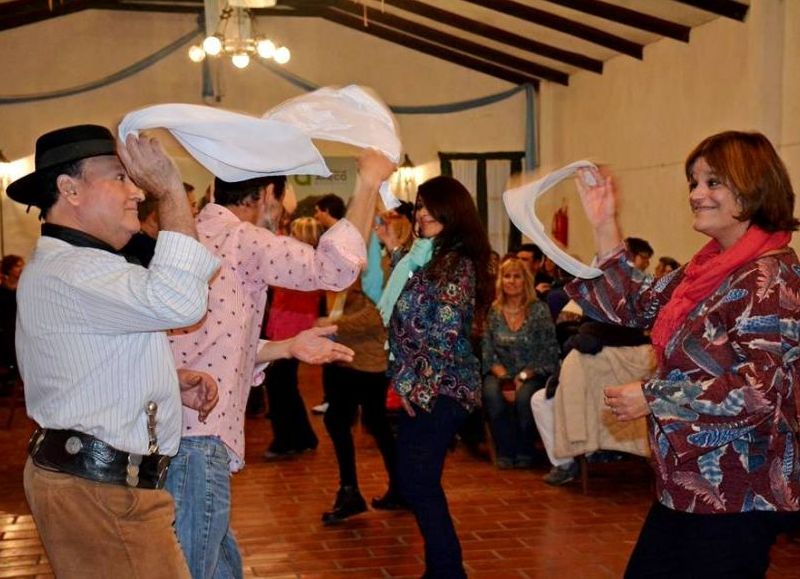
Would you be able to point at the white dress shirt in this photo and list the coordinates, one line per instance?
(90, 337)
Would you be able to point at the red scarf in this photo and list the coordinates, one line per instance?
(705, 273)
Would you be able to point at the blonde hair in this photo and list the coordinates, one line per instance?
(509, 264)
(306, 229)
(399, 226)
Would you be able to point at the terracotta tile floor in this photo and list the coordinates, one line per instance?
(511, 524)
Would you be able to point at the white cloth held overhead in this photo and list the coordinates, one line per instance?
(351, 115)
(520, 205)
(236, 147)
(232, 146)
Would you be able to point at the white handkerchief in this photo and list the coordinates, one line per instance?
(521, 208)
(346, 115)
(232, 146)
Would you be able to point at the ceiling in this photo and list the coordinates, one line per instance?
(520, 41)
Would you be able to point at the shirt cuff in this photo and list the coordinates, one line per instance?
(348, 242)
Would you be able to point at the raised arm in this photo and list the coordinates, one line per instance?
(373, 169)
(599, 200)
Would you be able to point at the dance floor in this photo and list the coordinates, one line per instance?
(510, 523)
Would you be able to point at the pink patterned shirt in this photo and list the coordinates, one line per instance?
(225, 342)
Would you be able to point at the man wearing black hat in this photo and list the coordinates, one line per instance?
(99, 376)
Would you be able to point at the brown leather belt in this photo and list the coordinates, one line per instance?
(85, 456)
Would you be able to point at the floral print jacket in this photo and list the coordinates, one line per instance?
(429, 337)
(724, 413)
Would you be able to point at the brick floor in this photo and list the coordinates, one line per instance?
(510, 523)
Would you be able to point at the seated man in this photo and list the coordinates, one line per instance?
(576, 421)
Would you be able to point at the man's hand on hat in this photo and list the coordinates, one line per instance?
(150, 167)
(198, 392)
(374, 167)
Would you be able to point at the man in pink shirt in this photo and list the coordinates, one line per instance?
(225, 343)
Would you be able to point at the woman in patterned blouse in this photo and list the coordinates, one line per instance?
(434, 369)
(722, 407)
(519, 352)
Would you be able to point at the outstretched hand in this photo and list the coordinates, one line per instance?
(313, 346)
(198, 392)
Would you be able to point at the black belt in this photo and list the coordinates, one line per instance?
(85, 456)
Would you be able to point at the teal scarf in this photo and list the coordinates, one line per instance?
(418, 256)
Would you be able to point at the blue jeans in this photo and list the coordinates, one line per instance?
(199, 481)
(422, 443)
(512, 423)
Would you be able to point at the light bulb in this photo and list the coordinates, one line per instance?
(282, 55)
(265, 48)
(212, 45)
(240, 60)
(196, 53)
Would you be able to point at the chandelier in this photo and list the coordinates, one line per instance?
(236, 37)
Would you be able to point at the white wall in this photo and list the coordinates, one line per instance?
(643, 117)
(82, 47)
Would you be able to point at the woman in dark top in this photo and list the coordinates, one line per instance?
(433, 367)
(519, 352)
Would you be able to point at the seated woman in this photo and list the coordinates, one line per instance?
(519, 352)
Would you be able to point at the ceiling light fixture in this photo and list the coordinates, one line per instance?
(237, 38)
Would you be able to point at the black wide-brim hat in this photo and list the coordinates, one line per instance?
(58, 148)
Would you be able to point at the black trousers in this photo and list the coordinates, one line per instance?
(345, 390)
(291, 428)
(422, 443)
(674, 544)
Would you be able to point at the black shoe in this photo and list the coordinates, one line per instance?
(349, 502)
(391, 501)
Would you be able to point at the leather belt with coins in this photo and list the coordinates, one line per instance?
(85, 456)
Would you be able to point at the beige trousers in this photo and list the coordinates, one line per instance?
(99, 530)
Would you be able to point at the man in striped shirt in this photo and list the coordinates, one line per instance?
(100, 380)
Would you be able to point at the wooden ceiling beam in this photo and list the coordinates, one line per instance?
(565, 25)
(461, 44)
(161, 7)
(429, 48)
(479, 28)
(192, 6)
(727, 8)
(628, 17)
(21, 12)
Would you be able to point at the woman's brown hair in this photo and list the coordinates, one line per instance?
(749, 166)
(463, 233)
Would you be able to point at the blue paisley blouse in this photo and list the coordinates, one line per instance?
(724, 414)
(429, 338)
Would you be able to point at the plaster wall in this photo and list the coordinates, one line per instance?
(642, 118)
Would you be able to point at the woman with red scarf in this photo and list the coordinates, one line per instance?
(722, 407)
